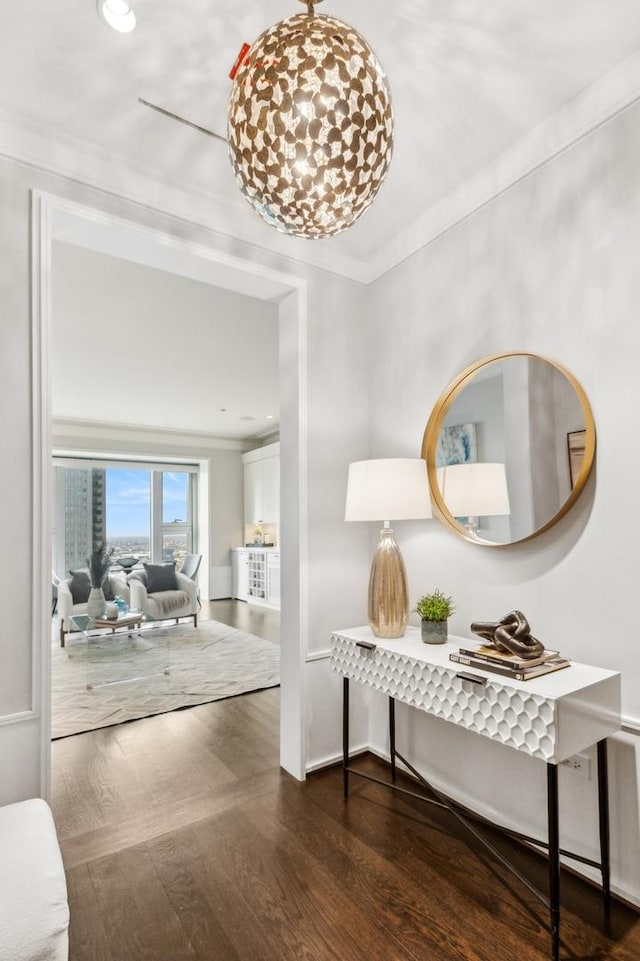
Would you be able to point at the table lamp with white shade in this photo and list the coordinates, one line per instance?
(384, 490)
(473, 491)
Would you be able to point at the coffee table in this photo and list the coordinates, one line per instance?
(121, 649)
(85, 623)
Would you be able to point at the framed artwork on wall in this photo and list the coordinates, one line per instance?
(575, 450)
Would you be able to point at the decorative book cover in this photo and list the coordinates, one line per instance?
(494, 656)
(518, 674)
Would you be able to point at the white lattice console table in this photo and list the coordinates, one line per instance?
(550, 717)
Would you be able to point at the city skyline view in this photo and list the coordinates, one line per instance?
(147, 513)
(129, 501)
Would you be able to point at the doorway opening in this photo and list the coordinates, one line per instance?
(56, 219)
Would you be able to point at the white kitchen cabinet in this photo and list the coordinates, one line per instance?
(240, 574)
(270, 483)
(273, 578)
(256, 576)
(253, 492)
(262, 485)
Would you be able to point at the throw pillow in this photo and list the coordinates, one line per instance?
(161, 577)
(80, 586)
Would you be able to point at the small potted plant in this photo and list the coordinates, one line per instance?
(434, 609)
(258, 533)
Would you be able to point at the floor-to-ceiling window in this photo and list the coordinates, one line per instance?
(146, 511)
(128, 527)
(175, 491)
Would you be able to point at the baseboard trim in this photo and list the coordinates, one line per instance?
(334, 760)
(631, 725)
(318, 656)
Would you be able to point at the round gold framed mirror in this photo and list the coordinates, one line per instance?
(509, 446)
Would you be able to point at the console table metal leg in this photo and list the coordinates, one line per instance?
(603, 812)
(392, 737)
(345, 734)
(554, 858)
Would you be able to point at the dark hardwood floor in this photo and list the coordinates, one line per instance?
(183, 841)
(262, 621)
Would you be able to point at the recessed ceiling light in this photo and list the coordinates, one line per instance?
(117, 14)
(269, 417)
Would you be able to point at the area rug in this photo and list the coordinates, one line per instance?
(117, 677)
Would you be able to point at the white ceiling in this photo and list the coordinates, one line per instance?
(469, 80)
(139, 347)
(472, 82)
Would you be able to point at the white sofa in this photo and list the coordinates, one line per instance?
(34, 911)
(66, 608)
(165, 605)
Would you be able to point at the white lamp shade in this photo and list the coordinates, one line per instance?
(394, 488)
(474, 490)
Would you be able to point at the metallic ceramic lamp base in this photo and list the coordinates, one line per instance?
(388, 595)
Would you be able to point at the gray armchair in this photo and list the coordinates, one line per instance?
(191, 565)
(163, 596)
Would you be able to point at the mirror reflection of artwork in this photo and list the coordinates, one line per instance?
(457, 445)
(575, 444)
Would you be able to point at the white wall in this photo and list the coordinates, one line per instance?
(132, 344)
(335, 383)
(20, 731)
(550, 266)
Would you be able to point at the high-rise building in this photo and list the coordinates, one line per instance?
(85, 514)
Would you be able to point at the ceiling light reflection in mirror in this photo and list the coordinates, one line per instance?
(522, 411)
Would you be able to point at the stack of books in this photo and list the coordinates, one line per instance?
(489, 658)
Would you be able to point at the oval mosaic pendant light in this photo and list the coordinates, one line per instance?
(310, 125)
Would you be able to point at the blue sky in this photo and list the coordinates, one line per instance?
(129, 500)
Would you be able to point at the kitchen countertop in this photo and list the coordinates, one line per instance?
(256, 547)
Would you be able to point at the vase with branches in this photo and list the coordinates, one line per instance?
(98, 564)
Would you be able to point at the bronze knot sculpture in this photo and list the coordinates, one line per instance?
(511, 634)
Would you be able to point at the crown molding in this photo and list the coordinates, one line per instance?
(66, 430)
(602, 101)
(228, 216)
(606, 98)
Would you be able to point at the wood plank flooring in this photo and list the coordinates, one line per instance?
(252, 618)
(183, 841)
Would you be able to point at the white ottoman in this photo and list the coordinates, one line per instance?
(34, 912)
